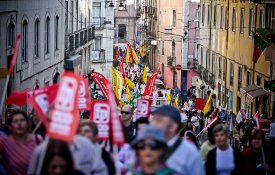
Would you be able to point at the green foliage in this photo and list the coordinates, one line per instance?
(267, 35)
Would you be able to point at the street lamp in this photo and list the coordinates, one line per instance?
(121, 6)
(111, 4)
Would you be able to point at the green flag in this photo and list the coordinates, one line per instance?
(133, 101)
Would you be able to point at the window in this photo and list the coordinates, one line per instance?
(81, 22)
(162, 48)
(266, 84)
(248, 78)
(206, 60)
(11, 34)
(208, 14)
(89, 16)
(259, 80)
(261, 20)
(76, 11)
(202, 56)
(96, 13)
(215, 16)
(47, 37)
(242, 21)
(251, 21)
(97, 45)
(240, 74)
(213, 63)
(234, 19)
(173, 49)
(221, 19)
(220, 66)
(226, 18)
(239, 100)
(24, 41)
(66, 17)
(203, 14)
(72, 17)
(174, 18)
(160, 17)
(122, 35)
(56, 32)
(36, 38)
(231, 73)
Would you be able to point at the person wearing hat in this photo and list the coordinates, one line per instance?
(151, 151)
(184, 157)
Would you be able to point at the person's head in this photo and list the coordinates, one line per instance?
(58, 159)
(88, 129)
(150, 146)
(221, 132)
(126, 113)
(18, 122)
(168, 118)
(256, 139)
(141, 122)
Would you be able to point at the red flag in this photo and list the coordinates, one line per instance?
(121, 66)
(259, 47)
(150, 85)
(130, 50)
(15, 52)
(199, 103)
(116, 126)
(84, 96)
(100, 115)
(64, 116)
(143, 107)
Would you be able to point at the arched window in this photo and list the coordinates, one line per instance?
(36, 37)
(47, 35)
(173, 48)
(24, 41)
(11, 34)
(56, 32)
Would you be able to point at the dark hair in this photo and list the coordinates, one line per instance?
(61, 149)
(15, 112)
(141, 120)
(91, 124)
(254, 134)
(219, 128)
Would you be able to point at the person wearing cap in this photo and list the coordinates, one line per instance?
(127, 122)
(184, 157)
(151, 150)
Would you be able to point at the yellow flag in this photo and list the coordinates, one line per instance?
(145, 74)
(114, 78)
(129, 83)
(142, 51)
(127, 59)
(168, 97)
(135, 57)
(121, 103)
(207, 105)
(128, 94)
(176, 102)
(117, 81)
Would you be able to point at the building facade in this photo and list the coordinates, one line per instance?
(102, 50)
(78, 35)
(41, 53)
(227, 31)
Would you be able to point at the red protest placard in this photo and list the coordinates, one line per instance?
(143, 108)
(84, 96)
(64, 116)
(199, 103)
(150, 85)
(100, 115)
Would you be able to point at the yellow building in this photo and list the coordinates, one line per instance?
(239, 84)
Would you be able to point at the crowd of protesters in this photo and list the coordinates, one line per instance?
(166, 143)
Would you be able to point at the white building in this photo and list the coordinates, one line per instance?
(102, 50)
(41, 52)
(78, 35)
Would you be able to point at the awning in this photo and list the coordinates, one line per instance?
(249, 88)
(257, 93)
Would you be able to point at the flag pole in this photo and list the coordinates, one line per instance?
(3, 98)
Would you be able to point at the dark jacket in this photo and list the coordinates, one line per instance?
(129, 132)
(211, 163)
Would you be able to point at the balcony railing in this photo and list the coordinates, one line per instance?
(98, 22)
(78, 39)
(171, 61)
(98, 55)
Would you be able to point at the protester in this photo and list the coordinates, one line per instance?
(184, 157)
(151, 150)
(85, 157)
(141, 122)
(208, 145)
(37, 125)
(255, 162)
(195, 120)
(16, 149)
(89, 130)
(127, 122)
(231, 123)
(223, 159)
(58, 159)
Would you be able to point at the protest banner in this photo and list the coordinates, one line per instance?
(84, 96)
(100, 115)
(143, 107)
(64, 116)
(199, 103)
(150, 85)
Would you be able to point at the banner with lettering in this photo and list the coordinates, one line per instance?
(100, 114)
(84, 96)
(143, 107)
(150, 85)
(64, 116)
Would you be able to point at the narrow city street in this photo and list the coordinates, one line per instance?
(137, 87)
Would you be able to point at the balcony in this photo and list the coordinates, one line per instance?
(98, 22)
(171, 61)
(98, 56)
